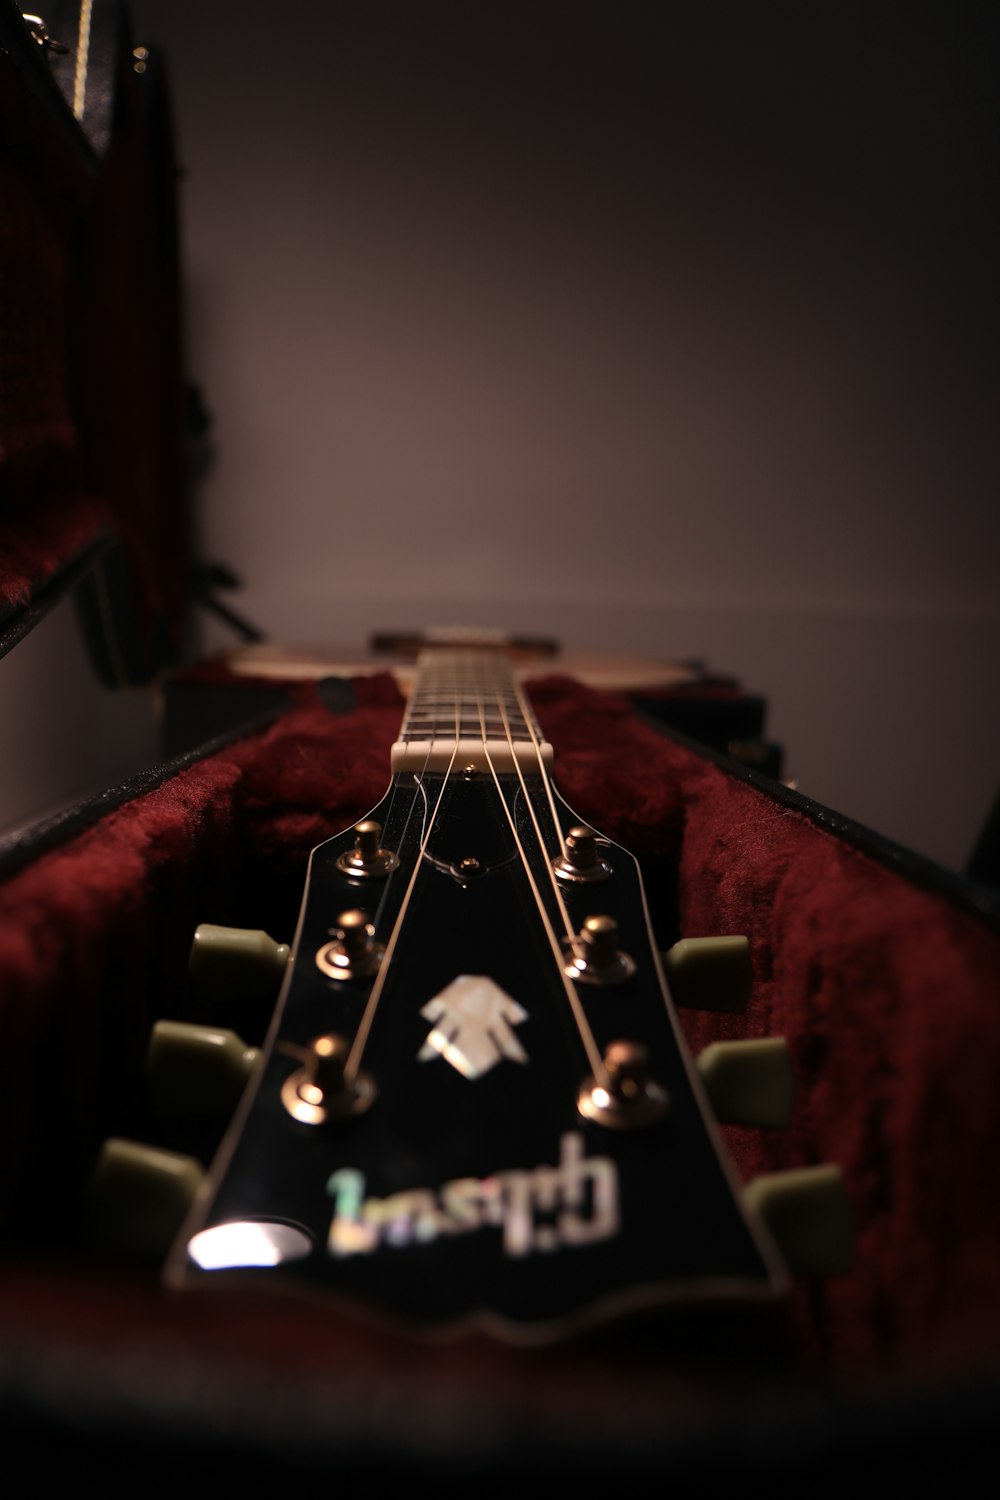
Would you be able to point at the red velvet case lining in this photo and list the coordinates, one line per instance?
(887, 993)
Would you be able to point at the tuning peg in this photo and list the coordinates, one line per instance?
(627, 1096)
(594, 955)
(749, 1082)
(196, 1070)
(808, 1213)
(367, 859)
(581, 861)
(323, 1088)
(236, 963)
(139, 1196)
(711, 973)
(353, 953)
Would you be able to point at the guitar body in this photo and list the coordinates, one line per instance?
(615, 671)
(458, 1172)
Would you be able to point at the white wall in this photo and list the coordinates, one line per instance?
(665, 331)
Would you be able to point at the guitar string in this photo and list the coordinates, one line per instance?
(583, 1026)
(416, 801)
(524, 707)
(419, 798)
(527, 714)
(82, 59)
(546, 782)
(467, 665)
(360, 1041)
(503, 682)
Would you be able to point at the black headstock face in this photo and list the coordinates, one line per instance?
(469, 1173)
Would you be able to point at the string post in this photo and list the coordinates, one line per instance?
(581, 862)
(628, 1097)
(367, 859)
(594, 957)
(323, 1088)
(354, 953)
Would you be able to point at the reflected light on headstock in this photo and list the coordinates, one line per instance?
(248, 1243)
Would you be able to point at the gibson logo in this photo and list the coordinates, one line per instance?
(574, 1203)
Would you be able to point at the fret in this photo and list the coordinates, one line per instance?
(465, 710)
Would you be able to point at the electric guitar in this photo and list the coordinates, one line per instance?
(474, 1107)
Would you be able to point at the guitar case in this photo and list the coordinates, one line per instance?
(880, 968)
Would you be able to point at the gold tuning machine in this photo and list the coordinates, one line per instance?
(353, 953)
(627, 1097)
(595, 957)
(367, 860)
(321, 1090)
(582, 863)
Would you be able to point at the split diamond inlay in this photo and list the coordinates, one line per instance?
(472, 1026)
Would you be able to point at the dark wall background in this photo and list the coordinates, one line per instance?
(670, 328)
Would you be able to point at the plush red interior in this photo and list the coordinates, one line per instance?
(886, 992)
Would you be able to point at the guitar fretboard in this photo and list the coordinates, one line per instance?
(465, 709)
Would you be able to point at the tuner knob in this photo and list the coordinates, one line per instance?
(595, 957)
(354, 953)
(711, 973)
(139, 1196)
(749, 1082)
(236, 963)
(367, 859)
(808, 1213)
(195, 1070)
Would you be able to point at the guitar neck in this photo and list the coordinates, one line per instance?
(466, 709)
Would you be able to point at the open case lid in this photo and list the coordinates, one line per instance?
(91, 396)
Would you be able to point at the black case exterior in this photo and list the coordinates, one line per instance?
(92, 406)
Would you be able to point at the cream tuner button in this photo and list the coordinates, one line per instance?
(710, 973)
(193, 1070)
(139, 1196)
(236, 963)
(808, 1213)
(749, 1082)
